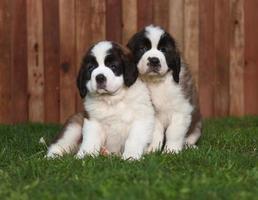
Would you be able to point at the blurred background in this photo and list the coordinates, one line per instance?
(42, 42)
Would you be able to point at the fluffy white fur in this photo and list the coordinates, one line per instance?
(173, 112)
(122, 122)
(154, 33)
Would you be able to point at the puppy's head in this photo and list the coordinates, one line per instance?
(105, 69)
(155, 52)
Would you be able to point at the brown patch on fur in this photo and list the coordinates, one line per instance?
(77, 118)
(124, 49)
(189, 89)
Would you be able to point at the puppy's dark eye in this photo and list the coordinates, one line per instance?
(113, 67)
(163, 49)
(91, 67)
(143, 48)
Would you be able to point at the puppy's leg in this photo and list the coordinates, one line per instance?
(194, 136)
(93, 139)
(139, 136)
(69, 138)
(176, 132)
(158, 137)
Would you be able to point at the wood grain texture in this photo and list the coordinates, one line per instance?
(67, 59)
(144, 13)
(191, 36)
(251, 57)
(161, 13)
(43, 41)
(5, 64)
(129, 16)
(206, 57)
(176, 21)
(98, 22)
(236, 83)
(35, 60)
(114, 20)
(19, 62)
(83, 37)
(222, 46)
(51, 59)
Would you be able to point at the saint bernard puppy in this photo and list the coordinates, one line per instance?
(171, 85)
(118, 111)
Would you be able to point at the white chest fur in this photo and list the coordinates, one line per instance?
(168, 98)
(116, 114)
(114, 120)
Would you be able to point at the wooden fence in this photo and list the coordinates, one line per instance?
(42, 42)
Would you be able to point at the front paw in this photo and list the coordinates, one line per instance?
(80, 155)
(131, 156)
(153, 148)
(54, 151)
(190, 146)
(173, 148)
(51, 155)
(84, 152)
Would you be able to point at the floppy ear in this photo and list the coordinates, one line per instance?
(130, 70)
(175, 64)
(81, 82)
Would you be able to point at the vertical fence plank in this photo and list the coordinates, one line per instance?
(35, 60)
(19, 62)
(236, 57)
(161, 13)
(129, 12)
(51, 59)
(114, 20)
(251, 57)
(176, 21)
(222, 43)
(83, 36)
(191, 36)
(98, 22)
(5, 72)
(145, 12)
(67, 58)
(206, 57)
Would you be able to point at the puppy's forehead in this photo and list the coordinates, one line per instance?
(153, 33)
(100, 51)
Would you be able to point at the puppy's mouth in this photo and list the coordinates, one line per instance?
(101, 87)
(153, 69)
(104, 90)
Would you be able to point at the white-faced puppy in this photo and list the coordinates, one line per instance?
(171, 86)
(120, 113)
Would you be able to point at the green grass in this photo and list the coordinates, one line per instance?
(224, 167)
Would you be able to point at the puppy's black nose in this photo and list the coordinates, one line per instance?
(154, 61)
(100, 79)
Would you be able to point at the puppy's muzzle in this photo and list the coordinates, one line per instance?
(154, 64)
(101, 81)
